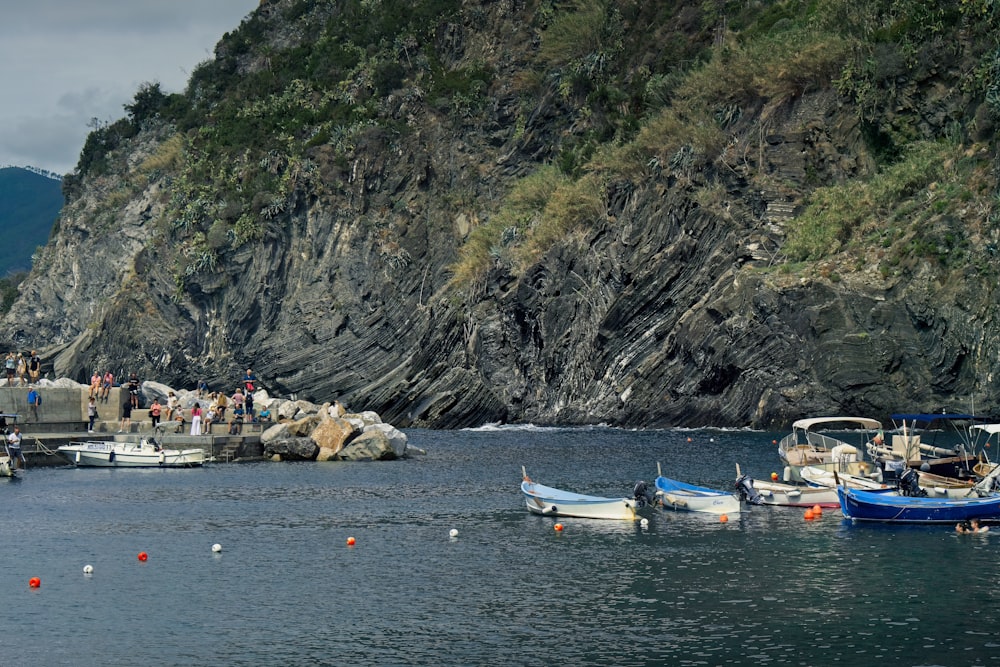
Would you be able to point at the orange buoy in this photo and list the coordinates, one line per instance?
(808, 516)
(774, 442)
(34, 582)
(350, 541)
(817, 510)
(143, 556)
(689, 439)
(558, 527)
(774, 477)
(723, 518)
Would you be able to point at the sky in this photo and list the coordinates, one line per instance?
(66, 62)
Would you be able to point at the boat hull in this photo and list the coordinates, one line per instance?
(127, 455)
(548, 501)
(690, 498)
(830, 477)
(859, 505)
(790, 495)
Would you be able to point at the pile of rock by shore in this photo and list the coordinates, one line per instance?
(302, 430)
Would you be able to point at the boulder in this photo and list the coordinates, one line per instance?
(307, 407)
(292, 449)
(333, 434)
(363, 419)
(150, 390)
(304, 426)
(275, 432)
(60, 383)
(397, 439)
(287, 409)
(371, 445)
(326, 454)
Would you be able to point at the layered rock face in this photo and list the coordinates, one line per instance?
(668, 311)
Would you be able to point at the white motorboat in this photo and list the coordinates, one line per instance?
(822, 440)
(145, 454)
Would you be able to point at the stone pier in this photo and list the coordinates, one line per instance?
(62, 418)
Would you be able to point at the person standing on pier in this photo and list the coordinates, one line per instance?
(34, 401)
(22, 371)
(34, 367)
(14, 449)
(133, 390)
(126, 425)
(10, 363)
(196, 420)
(91, 413)
(154, 413)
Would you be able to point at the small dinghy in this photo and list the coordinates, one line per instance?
(549, 501)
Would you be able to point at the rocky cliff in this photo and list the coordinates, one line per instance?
(328, 256)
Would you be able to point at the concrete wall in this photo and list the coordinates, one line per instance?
(59, 405)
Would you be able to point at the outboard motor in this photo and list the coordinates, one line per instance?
(909, 484)
(744, 485)
(643, 496)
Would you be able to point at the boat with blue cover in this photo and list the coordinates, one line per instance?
(692, 498)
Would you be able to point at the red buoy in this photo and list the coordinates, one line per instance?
(34, 582)
(350, 541)
(143, 556)
(558, 527)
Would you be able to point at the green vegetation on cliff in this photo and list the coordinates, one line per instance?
(558, 207)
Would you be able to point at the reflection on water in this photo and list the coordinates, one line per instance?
(766, 587)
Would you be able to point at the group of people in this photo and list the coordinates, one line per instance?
(970, 526)
(100, 385)
(24, 370)
(218, 403)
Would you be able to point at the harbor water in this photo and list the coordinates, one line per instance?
(766, 587)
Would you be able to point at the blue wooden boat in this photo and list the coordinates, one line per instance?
(859, 505)
(689, 497)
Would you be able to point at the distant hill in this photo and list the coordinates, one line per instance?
(30, 201)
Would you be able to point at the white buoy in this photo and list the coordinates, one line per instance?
(453, 532)
(644, 522)
(88, 569)
(216, 548)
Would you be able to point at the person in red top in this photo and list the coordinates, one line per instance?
(154, 412)
(249, 381)
(196, 420)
